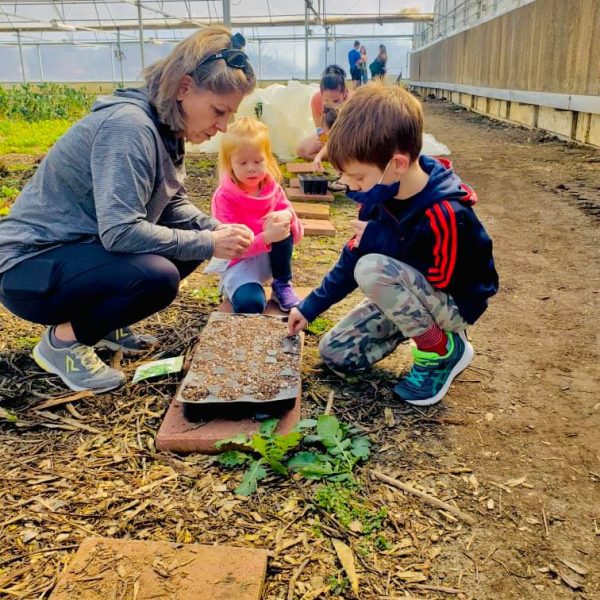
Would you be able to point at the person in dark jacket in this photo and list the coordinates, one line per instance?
(420, 254)
(103, 233)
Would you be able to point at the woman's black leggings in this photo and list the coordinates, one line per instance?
(95, 290)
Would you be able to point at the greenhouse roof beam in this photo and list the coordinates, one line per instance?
(178, 23)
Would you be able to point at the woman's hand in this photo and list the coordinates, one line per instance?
(296, 322)
(231, 240)
(359, 229)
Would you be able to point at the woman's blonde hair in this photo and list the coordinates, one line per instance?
(163, 77)
(244, 132)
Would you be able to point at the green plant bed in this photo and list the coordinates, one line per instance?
(21, 137)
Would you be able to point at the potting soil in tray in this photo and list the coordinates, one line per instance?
(241, 364)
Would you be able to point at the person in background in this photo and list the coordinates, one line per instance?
(329, 117)
(332, 92)
(364, 72)
(378, 66)
(250, 193)
(103, 233)
(354, 60)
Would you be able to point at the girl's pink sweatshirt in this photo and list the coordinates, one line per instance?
(230, 204)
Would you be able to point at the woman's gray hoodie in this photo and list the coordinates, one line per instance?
(110, 177)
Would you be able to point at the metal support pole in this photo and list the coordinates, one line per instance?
(259, 60)
(39, 53)
(305, 41)
(112, 63)
(227, 13)
(21, 56)
(121, 56)
(141, 28)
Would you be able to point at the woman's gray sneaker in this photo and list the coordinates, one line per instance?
(78, 366)
(130, 343)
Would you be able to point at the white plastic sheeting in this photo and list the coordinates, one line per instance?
(285, 110)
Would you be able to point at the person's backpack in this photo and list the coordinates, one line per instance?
(374, 67)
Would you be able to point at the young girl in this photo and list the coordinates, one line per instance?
(249, 193)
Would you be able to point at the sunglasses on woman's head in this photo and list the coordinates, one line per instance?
(234, 58)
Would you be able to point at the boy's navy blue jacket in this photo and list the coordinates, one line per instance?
(436, 232)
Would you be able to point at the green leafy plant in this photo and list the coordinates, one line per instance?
(350, 508)
(206, 295)
(7, 197)
(336, 449)
(272, 449)
(45, 101)
(319, 326)
(343, 449)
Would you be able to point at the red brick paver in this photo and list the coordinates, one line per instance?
(106, 568)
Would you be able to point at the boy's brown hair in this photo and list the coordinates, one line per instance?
(374, 124)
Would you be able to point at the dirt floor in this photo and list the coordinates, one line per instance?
(514, 444)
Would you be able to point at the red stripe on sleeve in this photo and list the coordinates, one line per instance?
(453, 244)
(438, 242)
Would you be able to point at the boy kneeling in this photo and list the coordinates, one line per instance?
(420, 255)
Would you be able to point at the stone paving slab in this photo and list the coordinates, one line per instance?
(296, 195)
(301, 167)
(318, 227)
(106, 568)
(305, 210)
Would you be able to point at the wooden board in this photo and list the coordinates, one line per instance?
(305, 210)
(295, 194)
(305, 167)
(318, 227)
(543, 46)
(108, 568)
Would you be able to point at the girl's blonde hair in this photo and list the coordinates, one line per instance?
(163, 77)
(244, 132)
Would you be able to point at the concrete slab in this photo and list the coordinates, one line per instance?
(306, 210)
(294, 182)
(302, 167)
(296, 195)
(318, 227)
(107, 568)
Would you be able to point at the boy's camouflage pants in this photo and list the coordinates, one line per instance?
(400, 304)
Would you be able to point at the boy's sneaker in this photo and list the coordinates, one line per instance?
(284, 295)
(78, 366)
(130, 343)
(431, 374)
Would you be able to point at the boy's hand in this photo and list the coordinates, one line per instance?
(296, 322)
(359, 229)
(276, 231)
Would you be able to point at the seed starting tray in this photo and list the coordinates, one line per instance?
(242, 365)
